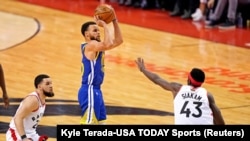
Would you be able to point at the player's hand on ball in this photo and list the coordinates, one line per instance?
(99, 22)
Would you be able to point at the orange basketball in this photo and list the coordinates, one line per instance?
(105, 13)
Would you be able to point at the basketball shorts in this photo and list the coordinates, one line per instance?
(93, 110)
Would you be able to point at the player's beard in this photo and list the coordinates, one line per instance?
(93, 38)
(48, 94)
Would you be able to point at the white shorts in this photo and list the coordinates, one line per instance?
(12, 135)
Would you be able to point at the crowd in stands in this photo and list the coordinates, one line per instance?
(224, 14)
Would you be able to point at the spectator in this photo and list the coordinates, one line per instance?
(185, 8)
(230, 22)
(144, 4)
(199, 13)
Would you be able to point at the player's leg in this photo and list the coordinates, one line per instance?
(86, 102)
(102, 114)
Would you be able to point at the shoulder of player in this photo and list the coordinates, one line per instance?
(32, 100)
(210, 97)
(177, 86)
(91, 45)
(95, 46)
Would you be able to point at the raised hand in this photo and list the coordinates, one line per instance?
(140, 63)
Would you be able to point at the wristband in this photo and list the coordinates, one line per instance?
(23, 136)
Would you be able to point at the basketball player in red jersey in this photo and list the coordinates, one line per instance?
(192, 103)
(3, 87)
(23, 125)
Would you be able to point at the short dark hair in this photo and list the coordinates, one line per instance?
(39, 78)
(198, 75)
(85, 26)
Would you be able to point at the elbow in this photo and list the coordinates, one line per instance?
(119, 42)
(108, 45)
(116, 43)
(112, 44)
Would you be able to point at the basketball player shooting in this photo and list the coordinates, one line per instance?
(90, 95)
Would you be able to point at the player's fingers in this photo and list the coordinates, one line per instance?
(96, 17)
(139, 59)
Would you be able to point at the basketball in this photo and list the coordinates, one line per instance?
(105, 13)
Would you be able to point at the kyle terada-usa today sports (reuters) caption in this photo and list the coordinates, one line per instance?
(73, 132)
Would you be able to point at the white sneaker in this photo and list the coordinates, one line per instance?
(197, 12)
(198, 16)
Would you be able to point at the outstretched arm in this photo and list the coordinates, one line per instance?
(218, 118)
(2, 85)
(170, 86)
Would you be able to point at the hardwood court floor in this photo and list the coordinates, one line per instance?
(130, 97)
